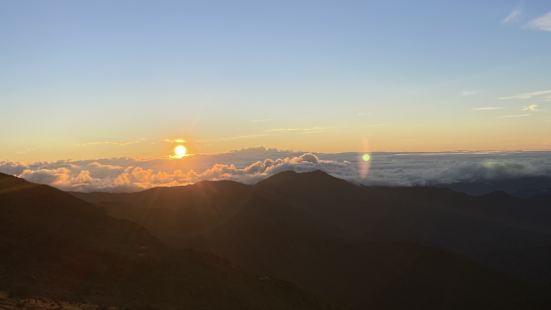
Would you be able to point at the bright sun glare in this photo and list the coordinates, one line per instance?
(180, 151)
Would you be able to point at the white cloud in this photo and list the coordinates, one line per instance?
(541, 23)
(487, 108)
(54, 177)
(137, 175)
(528, 95)
(513, 17)
(531, 108)
(252, 165)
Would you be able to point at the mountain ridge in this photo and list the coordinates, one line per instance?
(297, 225)
(56, 246)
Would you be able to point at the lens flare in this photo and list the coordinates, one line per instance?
(364, 160)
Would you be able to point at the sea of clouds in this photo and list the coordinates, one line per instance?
(252, 165)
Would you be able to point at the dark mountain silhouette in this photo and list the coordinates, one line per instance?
(386, 248)
(176, 211)
(58, 247)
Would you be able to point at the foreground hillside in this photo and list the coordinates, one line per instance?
(58, 247)
(33, 303)
(386, 248)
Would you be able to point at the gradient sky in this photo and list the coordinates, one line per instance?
(90, 79)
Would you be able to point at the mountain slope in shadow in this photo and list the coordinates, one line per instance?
(525, 187)
(56, 246)
(359, 247)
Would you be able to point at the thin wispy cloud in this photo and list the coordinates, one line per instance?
(178, 140)
(468, 93)
(246, 136)
(541, 23)
(266, 133)
(26, 151)
(487, 108)
(531, 108)
(528, 95)
(263, 120)
(120, 143)
(515, 115)
(239, 137)
(303, 130)
(513, 17)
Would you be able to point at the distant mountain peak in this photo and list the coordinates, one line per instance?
(291, 174)
(312, 179)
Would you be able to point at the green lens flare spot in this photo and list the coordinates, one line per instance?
(366, 157)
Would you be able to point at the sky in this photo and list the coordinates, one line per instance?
(103, 79)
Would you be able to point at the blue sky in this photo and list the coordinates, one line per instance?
(318, 75)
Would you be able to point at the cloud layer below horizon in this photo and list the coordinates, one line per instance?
(252, 165)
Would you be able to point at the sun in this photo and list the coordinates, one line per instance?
(180, 151)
